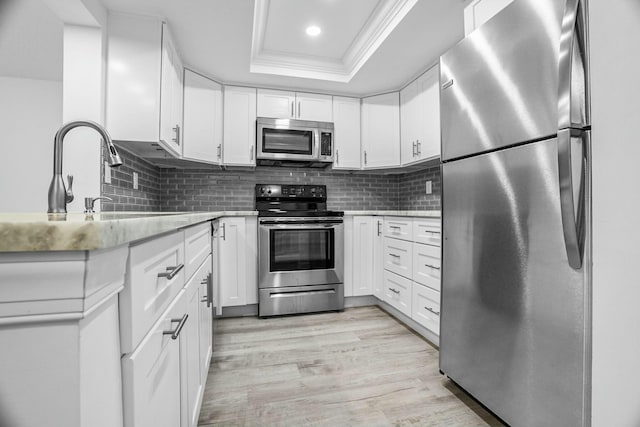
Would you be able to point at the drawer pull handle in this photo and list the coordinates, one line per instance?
(395, 227)
(205, 298)
(171, 271)
(432, 266)
(437, 313)
(394, 291)
(395, 255)
(176, 332)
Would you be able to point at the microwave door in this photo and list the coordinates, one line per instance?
(280, 143)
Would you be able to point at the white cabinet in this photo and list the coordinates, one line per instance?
(144, 83)
(151, 374)
(478, 12)
(426, 307)
(280, 104)
(381, 131)
(378, 257)
(346, 133)
(397, 292)
(202, 130)
(237, 262)
(397, 256)
(426, 265)
(239, 126)
(420, 118)
(363, 261)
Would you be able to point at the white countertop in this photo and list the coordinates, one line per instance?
(431, 213)
(34, 232)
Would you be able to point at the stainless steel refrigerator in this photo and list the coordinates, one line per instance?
(515, 327)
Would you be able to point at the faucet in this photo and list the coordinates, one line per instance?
(59, 196)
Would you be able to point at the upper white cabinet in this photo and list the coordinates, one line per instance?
(420, 118)
(346, 133)
(202, 131)
(144, 82)
(280, 104)
(239, 126)
(381, 131)
(478, 12)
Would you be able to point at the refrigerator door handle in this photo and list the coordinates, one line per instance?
(572, 68)
(573, 221)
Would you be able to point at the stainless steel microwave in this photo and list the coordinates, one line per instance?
(294, 142)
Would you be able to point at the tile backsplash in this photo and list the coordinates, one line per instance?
(213, 189)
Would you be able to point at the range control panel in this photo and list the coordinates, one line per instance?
(291, 191)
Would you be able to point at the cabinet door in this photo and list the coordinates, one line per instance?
(363, 232)
(426, 307)
(251, 258)
(378, 258)
(170, 104)
(480, 11)
(381, 131)
(202, 131)
(409, 117)
(215, 268)
(426, 265)
(192, 386)
(276, 104)
(232, 261)
(314, 107)
(428, 118)
(398, 256)
(151, 374)
(346, 133)
(239, 126)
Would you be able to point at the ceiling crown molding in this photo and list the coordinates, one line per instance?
(385, 17)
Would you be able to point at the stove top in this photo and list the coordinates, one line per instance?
(279, 200)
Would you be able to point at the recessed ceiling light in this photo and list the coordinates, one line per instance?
(313, 30)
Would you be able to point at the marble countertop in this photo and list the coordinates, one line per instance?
(34, 232)
(432, 213)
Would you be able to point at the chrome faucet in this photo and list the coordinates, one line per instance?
(59, 196)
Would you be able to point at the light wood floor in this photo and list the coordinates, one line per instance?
(360, 367)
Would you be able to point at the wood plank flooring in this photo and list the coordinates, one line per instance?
(360, 367)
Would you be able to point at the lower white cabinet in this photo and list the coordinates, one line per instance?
(237, 244)
(398, 256)
(378, 256)
(426, 307)
(426, 265)
(397, 292)
(363, 261)
(151, 374)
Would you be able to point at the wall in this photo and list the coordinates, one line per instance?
(27, 145)
(148, 195)
(174, 190)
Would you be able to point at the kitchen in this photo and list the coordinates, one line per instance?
(384, 194)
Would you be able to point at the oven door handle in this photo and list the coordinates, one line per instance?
(299, 226)
(303, 222)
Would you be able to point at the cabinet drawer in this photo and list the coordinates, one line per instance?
(397, 256)
(397, 292)
(400, 228)
(426, 307)
(197, 246)
(426, 265)
(151, 374)
(155, 275)
(427, 231)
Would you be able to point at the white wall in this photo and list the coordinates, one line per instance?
(30, 114)
(615, 85)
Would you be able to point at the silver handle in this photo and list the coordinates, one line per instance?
(395, 227)
(337, 157)
(219, 150)
(573, 229)
(437, 313)
(447, 84)
(395, 255)
(572, 73)
(365, 157)
(414, 149)
(299, 109)
(69, 193)
(176, 130)
(210, 290)
(379, 227)
(176, 332)
(224, 231)
(171, 271)
(394, 291)
(432, 266)
(251, 152)
(296, 226)
(418, 148)
(292, 113)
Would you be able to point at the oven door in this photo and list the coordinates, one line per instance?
(300, 251)
(283, 139)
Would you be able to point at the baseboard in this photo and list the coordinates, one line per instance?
(415, 326)
(240, 311)
(360, 301)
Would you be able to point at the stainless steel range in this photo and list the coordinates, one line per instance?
(301, 250)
